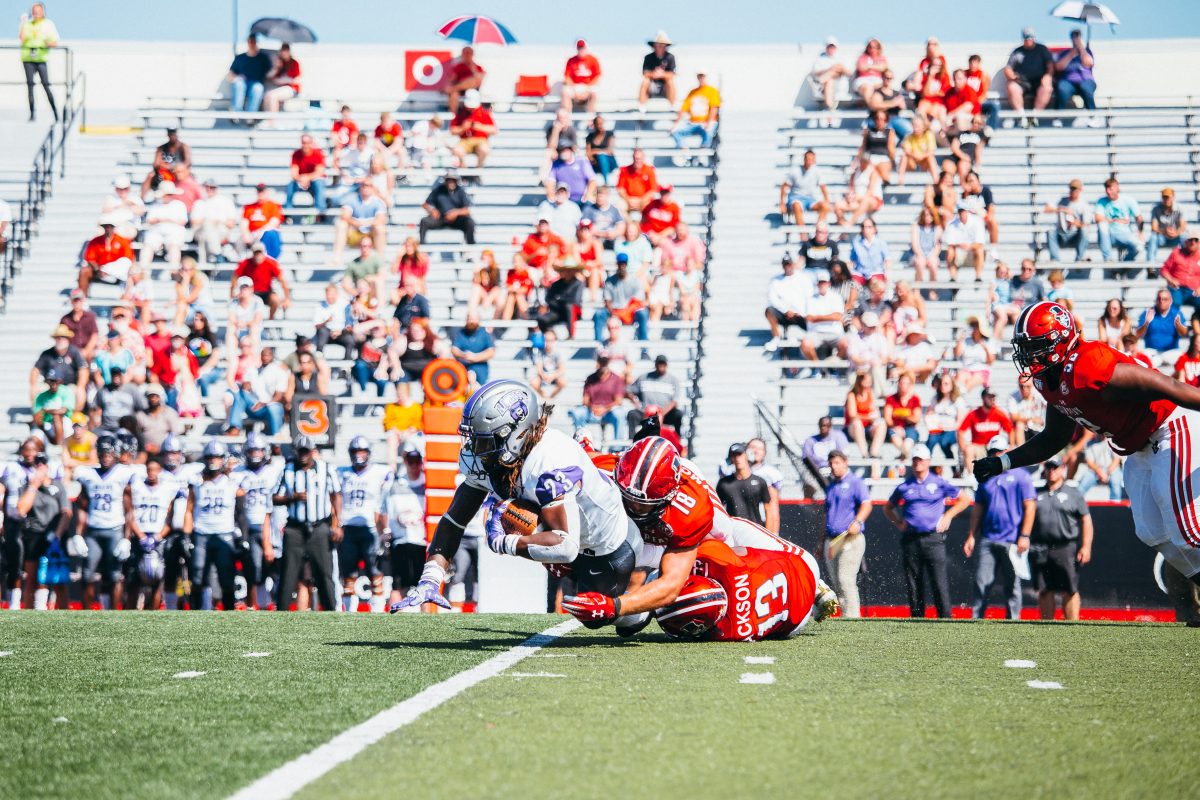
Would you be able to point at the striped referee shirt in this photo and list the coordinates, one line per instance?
(317, 482)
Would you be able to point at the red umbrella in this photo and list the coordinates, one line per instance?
(477, 29)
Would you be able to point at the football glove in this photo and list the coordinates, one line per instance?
(987, 467)
(592, 608)
(122, 550)
(148, 543)
(423, 592)
(497, 539)
(77, 547)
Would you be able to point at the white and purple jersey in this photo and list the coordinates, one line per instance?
(258, 484)
(152, 504)
(105, 494)
(364, 494)
(14, 477)
(558, 468)
(213, 505)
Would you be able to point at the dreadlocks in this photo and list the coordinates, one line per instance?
(506, 478)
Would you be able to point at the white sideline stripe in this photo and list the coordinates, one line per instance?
(255, 655)
(1020, 663)
(4, 653)
(760, 659)
(189, 674)
(757, 677)
(1043, 684)
(285, 781)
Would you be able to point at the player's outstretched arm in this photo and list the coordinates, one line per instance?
(1053, 438)
(1137, 384)
(446, 537)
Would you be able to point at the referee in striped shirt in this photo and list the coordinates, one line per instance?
(310, 490)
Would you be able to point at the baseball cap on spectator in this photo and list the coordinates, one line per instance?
(302, 340)
(921, 452)
(914, 330)
(1168, 192)
(987, 392)
(869, 319)
(158, 316)
(262, 187)
(79, 420)
(666, 188)
(787, 259)
(245, 280)
(471, 98)
(167, 189)
(172, 131)
(62, 332)
(451, 175)
(585, 223)
(54, 375)
(77, 294)
(121, 182)
(1190, 235)
(580, 44)
(108, 220)
(113, 333)
(561, 186)
(304, 443)
(258, 247)
(736, 449)
(831, 41)
(998, 443)
(660, 359)
(822, 276)
(411, 451)
(622, 258)
(153, 388)
(1075, 184)
(179, 331)
(1051, 463)
(211, 183)
(1028, 33)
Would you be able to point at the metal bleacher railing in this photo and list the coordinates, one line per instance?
(49, 161)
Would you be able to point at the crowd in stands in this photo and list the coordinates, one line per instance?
(933, 128)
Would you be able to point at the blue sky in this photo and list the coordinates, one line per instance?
(614, 21)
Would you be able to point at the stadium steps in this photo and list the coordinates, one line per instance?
(733, 367)
(48, 274)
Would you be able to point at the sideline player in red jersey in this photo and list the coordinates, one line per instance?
(675, 509)
(744, 595)
(1144, 414)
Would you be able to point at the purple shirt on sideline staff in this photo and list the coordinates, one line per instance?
(923, 502)
(842, 499)
(1003, 499)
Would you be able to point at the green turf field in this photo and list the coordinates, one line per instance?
(857, 709)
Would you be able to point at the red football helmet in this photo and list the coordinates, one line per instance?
(701, 604)
(648, 477)
(1045, 334)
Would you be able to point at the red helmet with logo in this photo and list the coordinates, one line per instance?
(648, 477)
(701, 604)
(1045, 334)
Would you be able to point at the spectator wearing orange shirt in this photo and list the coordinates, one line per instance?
(265, 272)
(389, 139)
(308, 174)
(978, 83)
(261, 221)
(579, 78)
(344, 131)
(637, 181)
(464, 75)
(473, 125)
(660, 216)
(541, 251)
(284, 77)
(107, 258)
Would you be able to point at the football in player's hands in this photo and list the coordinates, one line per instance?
(987, 467)
(519, 517)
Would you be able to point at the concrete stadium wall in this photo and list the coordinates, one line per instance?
(120, 75)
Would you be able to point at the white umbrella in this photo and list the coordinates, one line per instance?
(1088, 13)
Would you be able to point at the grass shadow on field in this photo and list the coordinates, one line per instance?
(497, 644)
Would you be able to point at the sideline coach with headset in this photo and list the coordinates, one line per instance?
(310, 490)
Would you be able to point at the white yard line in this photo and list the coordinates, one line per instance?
(293, 776)
(760, 659)
(1020, 663)
(1043, 684)
(189, 674)
(757, 677)
(255, 655)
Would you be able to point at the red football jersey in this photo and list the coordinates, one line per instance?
(690, 516)
(1080, 395)
(770, 591)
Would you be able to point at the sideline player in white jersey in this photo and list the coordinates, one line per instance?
(100, 520)
(508, 453)
(365, 488)
(13, 479)
(211, 520)
(177, 550)
(257, 476)
(151, 499)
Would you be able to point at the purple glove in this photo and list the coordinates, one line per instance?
(148, 543)
(423, 592)
(494, 529)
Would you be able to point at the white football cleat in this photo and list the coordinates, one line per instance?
(826, 603)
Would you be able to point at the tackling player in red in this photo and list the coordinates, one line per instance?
(744, 595)
(676, 511)
(1144, 414)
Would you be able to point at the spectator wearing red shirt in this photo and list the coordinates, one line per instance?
(978, 428)
(308, 174)
(579, 78)
(265, 272)
(1181, 271)
(158, 349)
(389, 137)
(637, 182)
(541, 251)
(107, 258)
(261, 221)
(961, 101)
(464, 74)
(902, 414)
(284, 77)
(603, 392)
(979, 84)
(344, 131)
(660, 216)
(85, 334)
(518, 287)
(473, 124)
(1187, 366)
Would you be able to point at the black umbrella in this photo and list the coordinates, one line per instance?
(283, 29)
